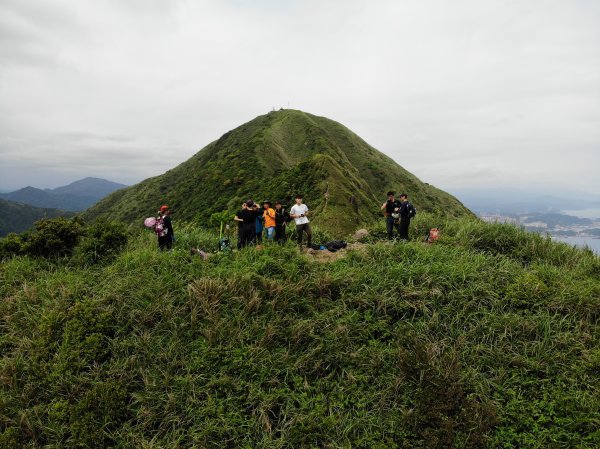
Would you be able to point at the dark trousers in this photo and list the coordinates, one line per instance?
(246, 236)
(304, 228)
(389, 221)
(280, 234)
(165, 242)
(403, 228)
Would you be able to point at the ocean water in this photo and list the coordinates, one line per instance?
(593, 244)
(592, 213)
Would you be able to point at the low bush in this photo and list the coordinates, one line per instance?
(11, 245)
(101, 241)
(53, 237)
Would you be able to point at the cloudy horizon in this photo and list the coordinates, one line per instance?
(465, 95)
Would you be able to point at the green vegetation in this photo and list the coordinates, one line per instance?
(488, 338)
(21, 217)
(275, 156)
(59, 237)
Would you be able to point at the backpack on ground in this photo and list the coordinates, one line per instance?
(434, 234)
(224, 245)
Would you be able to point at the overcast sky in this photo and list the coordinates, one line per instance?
(465, 94)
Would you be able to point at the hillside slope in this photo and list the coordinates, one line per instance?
(488, 338)
(17, 217)
(275, 156)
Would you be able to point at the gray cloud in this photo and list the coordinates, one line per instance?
(463, 94)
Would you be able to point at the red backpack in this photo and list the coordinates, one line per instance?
(434, 234)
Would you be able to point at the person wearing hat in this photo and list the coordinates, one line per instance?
(269, 218)
(164, 228)
(246, 219)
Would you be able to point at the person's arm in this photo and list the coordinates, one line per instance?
(383, 206)
(236, 218)
(169, 225)
(292, 214)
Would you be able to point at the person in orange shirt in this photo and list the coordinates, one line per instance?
(269, 216)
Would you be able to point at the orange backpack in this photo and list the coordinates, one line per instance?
(434, 234)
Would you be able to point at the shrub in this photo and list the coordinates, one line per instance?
(11, 245)
(102, 240)
(54, 237)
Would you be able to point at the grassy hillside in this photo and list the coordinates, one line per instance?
(17, 217)
(275, 156)
(489, 338)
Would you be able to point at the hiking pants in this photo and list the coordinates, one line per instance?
(280, 234)
(403, 228)
(165, 242)
(270, 232)
(389, 221)
(304, 228)
(246, 236)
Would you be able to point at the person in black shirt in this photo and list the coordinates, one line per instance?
(391, 207)
(247, 223)
(282, 218)
(165, 232)
(405, 216)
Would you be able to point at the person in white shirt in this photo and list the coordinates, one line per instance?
(299, 213)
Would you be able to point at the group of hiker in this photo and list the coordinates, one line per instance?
(397, 215)
(254, 220)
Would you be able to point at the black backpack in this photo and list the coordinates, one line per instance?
(411, 210)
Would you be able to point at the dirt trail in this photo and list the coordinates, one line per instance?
(325, 256)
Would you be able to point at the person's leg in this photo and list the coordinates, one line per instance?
(389, 221)
(404, 223)
(300, 230)
(308, 231)
(270, 233)
(240, 238)
(248, 235)
(278, 233)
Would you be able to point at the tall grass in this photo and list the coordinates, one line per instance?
(487, 339)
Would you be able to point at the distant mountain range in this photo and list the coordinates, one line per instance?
(17, 217)
(76, 196)
(344, 180)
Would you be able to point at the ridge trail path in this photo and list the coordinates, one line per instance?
(324, 256)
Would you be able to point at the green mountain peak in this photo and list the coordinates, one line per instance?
(275, 156)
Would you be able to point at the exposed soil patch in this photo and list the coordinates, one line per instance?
(327, 256)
